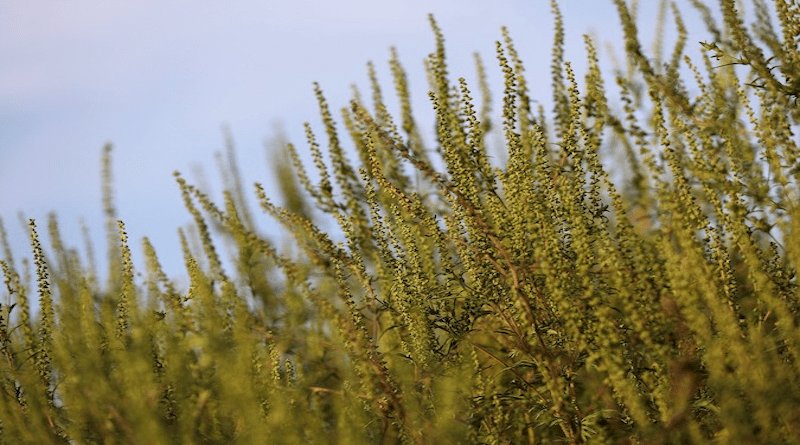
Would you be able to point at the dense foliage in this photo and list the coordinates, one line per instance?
(461, 295)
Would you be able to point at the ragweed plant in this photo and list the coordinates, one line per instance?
(459, 300)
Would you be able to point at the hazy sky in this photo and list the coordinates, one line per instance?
(158, 79)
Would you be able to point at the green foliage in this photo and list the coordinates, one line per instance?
(462, 301)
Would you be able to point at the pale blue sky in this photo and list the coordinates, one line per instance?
(159, 78)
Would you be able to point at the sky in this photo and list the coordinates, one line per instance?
(159, 80)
